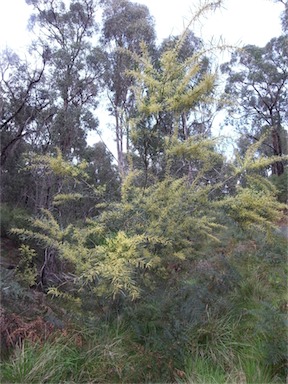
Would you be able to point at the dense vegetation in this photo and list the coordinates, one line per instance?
(165, 263)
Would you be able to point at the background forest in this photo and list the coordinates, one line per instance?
(165, 262)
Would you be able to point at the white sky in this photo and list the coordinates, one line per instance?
(240, 22)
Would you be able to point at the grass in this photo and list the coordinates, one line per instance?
(109, 354)
(202, 371)
(67, 359)
(193, 333)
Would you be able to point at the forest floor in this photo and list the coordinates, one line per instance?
(27, 313)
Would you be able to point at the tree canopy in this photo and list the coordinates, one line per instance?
(257, 80)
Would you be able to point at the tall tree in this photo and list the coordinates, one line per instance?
(125, 26)
(284, 16)
(21, 99)
(24, 114)
(74, 69)
(257, 85)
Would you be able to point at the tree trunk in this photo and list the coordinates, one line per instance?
(186, 136)
(278, 167)
(119, 142)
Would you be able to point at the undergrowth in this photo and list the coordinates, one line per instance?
(219, 320)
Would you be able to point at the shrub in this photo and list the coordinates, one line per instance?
(11, 217)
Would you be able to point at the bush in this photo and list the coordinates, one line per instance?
(281, 183)
(12, 217)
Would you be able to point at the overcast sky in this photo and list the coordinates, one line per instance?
(241, 21)
(246, 21)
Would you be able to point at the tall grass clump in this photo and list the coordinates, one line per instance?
(105, 354)
(33, 363)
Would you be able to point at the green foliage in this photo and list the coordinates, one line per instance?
(255, 106)
(252, 160)
(281, 183)
(26, 270)
(44, 230)
(112, 266)
(174, 212)
(171, 87)
(170, 221)
(253, 208)
(57, 165)
(180, 276)
(10, 217)
(255, 201)
(125, 26)
(47, 237)
(105, 355)
(34, 363)
(221, 322)
(61, 199)
(11, 289)
(261, 295)
(203, 371)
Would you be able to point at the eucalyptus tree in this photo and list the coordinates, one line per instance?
(126, 26)
(284, 16)
(257, 86)
(64, 97)
(21, 99)
(73, 69)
